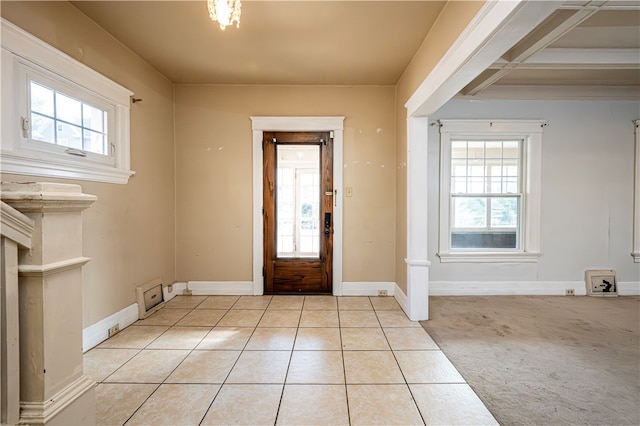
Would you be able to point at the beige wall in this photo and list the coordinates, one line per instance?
(214, 175)
(129, 232)
(455, 16)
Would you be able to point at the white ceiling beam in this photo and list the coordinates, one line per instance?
(494, 30)
(559, 58)
(553, 92)
(609, 5)
(541, 37)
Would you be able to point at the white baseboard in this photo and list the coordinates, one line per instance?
(521, 288)
(401, 298)
(211, 288)
(629, 288)
(99, 332)
(369, 288)
(176, 290)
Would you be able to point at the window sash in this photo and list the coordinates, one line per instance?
(31, 74)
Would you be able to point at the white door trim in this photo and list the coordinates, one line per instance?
(296, 124)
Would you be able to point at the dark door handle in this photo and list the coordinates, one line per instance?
(327, 223)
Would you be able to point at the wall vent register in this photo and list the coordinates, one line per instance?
(149, 297)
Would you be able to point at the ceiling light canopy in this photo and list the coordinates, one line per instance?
(226, 12)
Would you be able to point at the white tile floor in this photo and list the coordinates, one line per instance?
(279, 360)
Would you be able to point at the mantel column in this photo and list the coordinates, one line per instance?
(53, 389)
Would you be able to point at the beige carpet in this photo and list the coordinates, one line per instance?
(545, 360)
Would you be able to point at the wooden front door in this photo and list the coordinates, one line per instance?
(298, 212)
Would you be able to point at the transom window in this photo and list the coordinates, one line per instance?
(490, 180)
(485, 194)
(59, 119)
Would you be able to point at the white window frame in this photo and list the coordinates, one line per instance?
(636, 197)
(530, 132)
(26, 57)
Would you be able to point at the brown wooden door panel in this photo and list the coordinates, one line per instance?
(296, 276)
(287, 274)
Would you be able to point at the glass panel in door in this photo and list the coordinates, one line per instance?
(298, 201)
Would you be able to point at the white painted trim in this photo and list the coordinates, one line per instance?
(489, 257)
(574, 57)
(260, 124)
(97, 333)
(297, 124)
(402, 300)
(22, 51)
(548, 92)
(370, 288)
(495, 28)
(52, 268)
(416, 301)
(176, 290)
(41, 413)
(521, 288)
(630, 288)
(635, 252)
(16, 226)
(211, 288)
(530, 131)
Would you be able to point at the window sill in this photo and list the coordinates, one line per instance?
(489, 257)
(59, 168)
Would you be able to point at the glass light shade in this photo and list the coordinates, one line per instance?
(226, 12)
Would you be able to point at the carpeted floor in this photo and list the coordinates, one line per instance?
(545, 360)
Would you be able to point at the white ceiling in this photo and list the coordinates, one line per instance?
(583, 49)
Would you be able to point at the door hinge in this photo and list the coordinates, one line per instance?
(331, 135)
(263, 271)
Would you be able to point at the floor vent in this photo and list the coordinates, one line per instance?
(149, 297)
(601, 282)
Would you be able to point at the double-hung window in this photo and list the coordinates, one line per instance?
(59, 117)
(490, 190)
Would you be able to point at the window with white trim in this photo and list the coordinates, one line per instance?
(490, 190)
(59, 117)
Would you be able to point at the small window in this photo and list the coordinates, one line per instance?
(57, 118)
(60, 118)
(490, 190)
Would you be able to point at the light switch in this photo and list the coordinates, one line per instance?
(348, 191)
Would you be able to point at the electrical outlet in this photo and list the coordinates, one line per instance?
(114, 330)
(569, 292)
(170, 288)
(382, 292)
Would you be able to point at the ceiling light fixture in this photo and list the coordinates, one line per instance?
(226, 12)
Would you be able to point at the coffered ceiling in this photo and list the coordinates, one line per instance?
(585, 49)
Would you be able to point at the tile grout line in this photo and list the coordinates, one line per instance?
(284, 383)
(344, 367)
(234, 364)
(401, 372)
(160, 384)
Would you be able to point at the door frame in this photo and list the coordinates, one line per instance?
(296, 124)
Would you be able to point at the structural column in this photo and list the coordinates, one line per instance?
(417, 252)
(53, 389)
